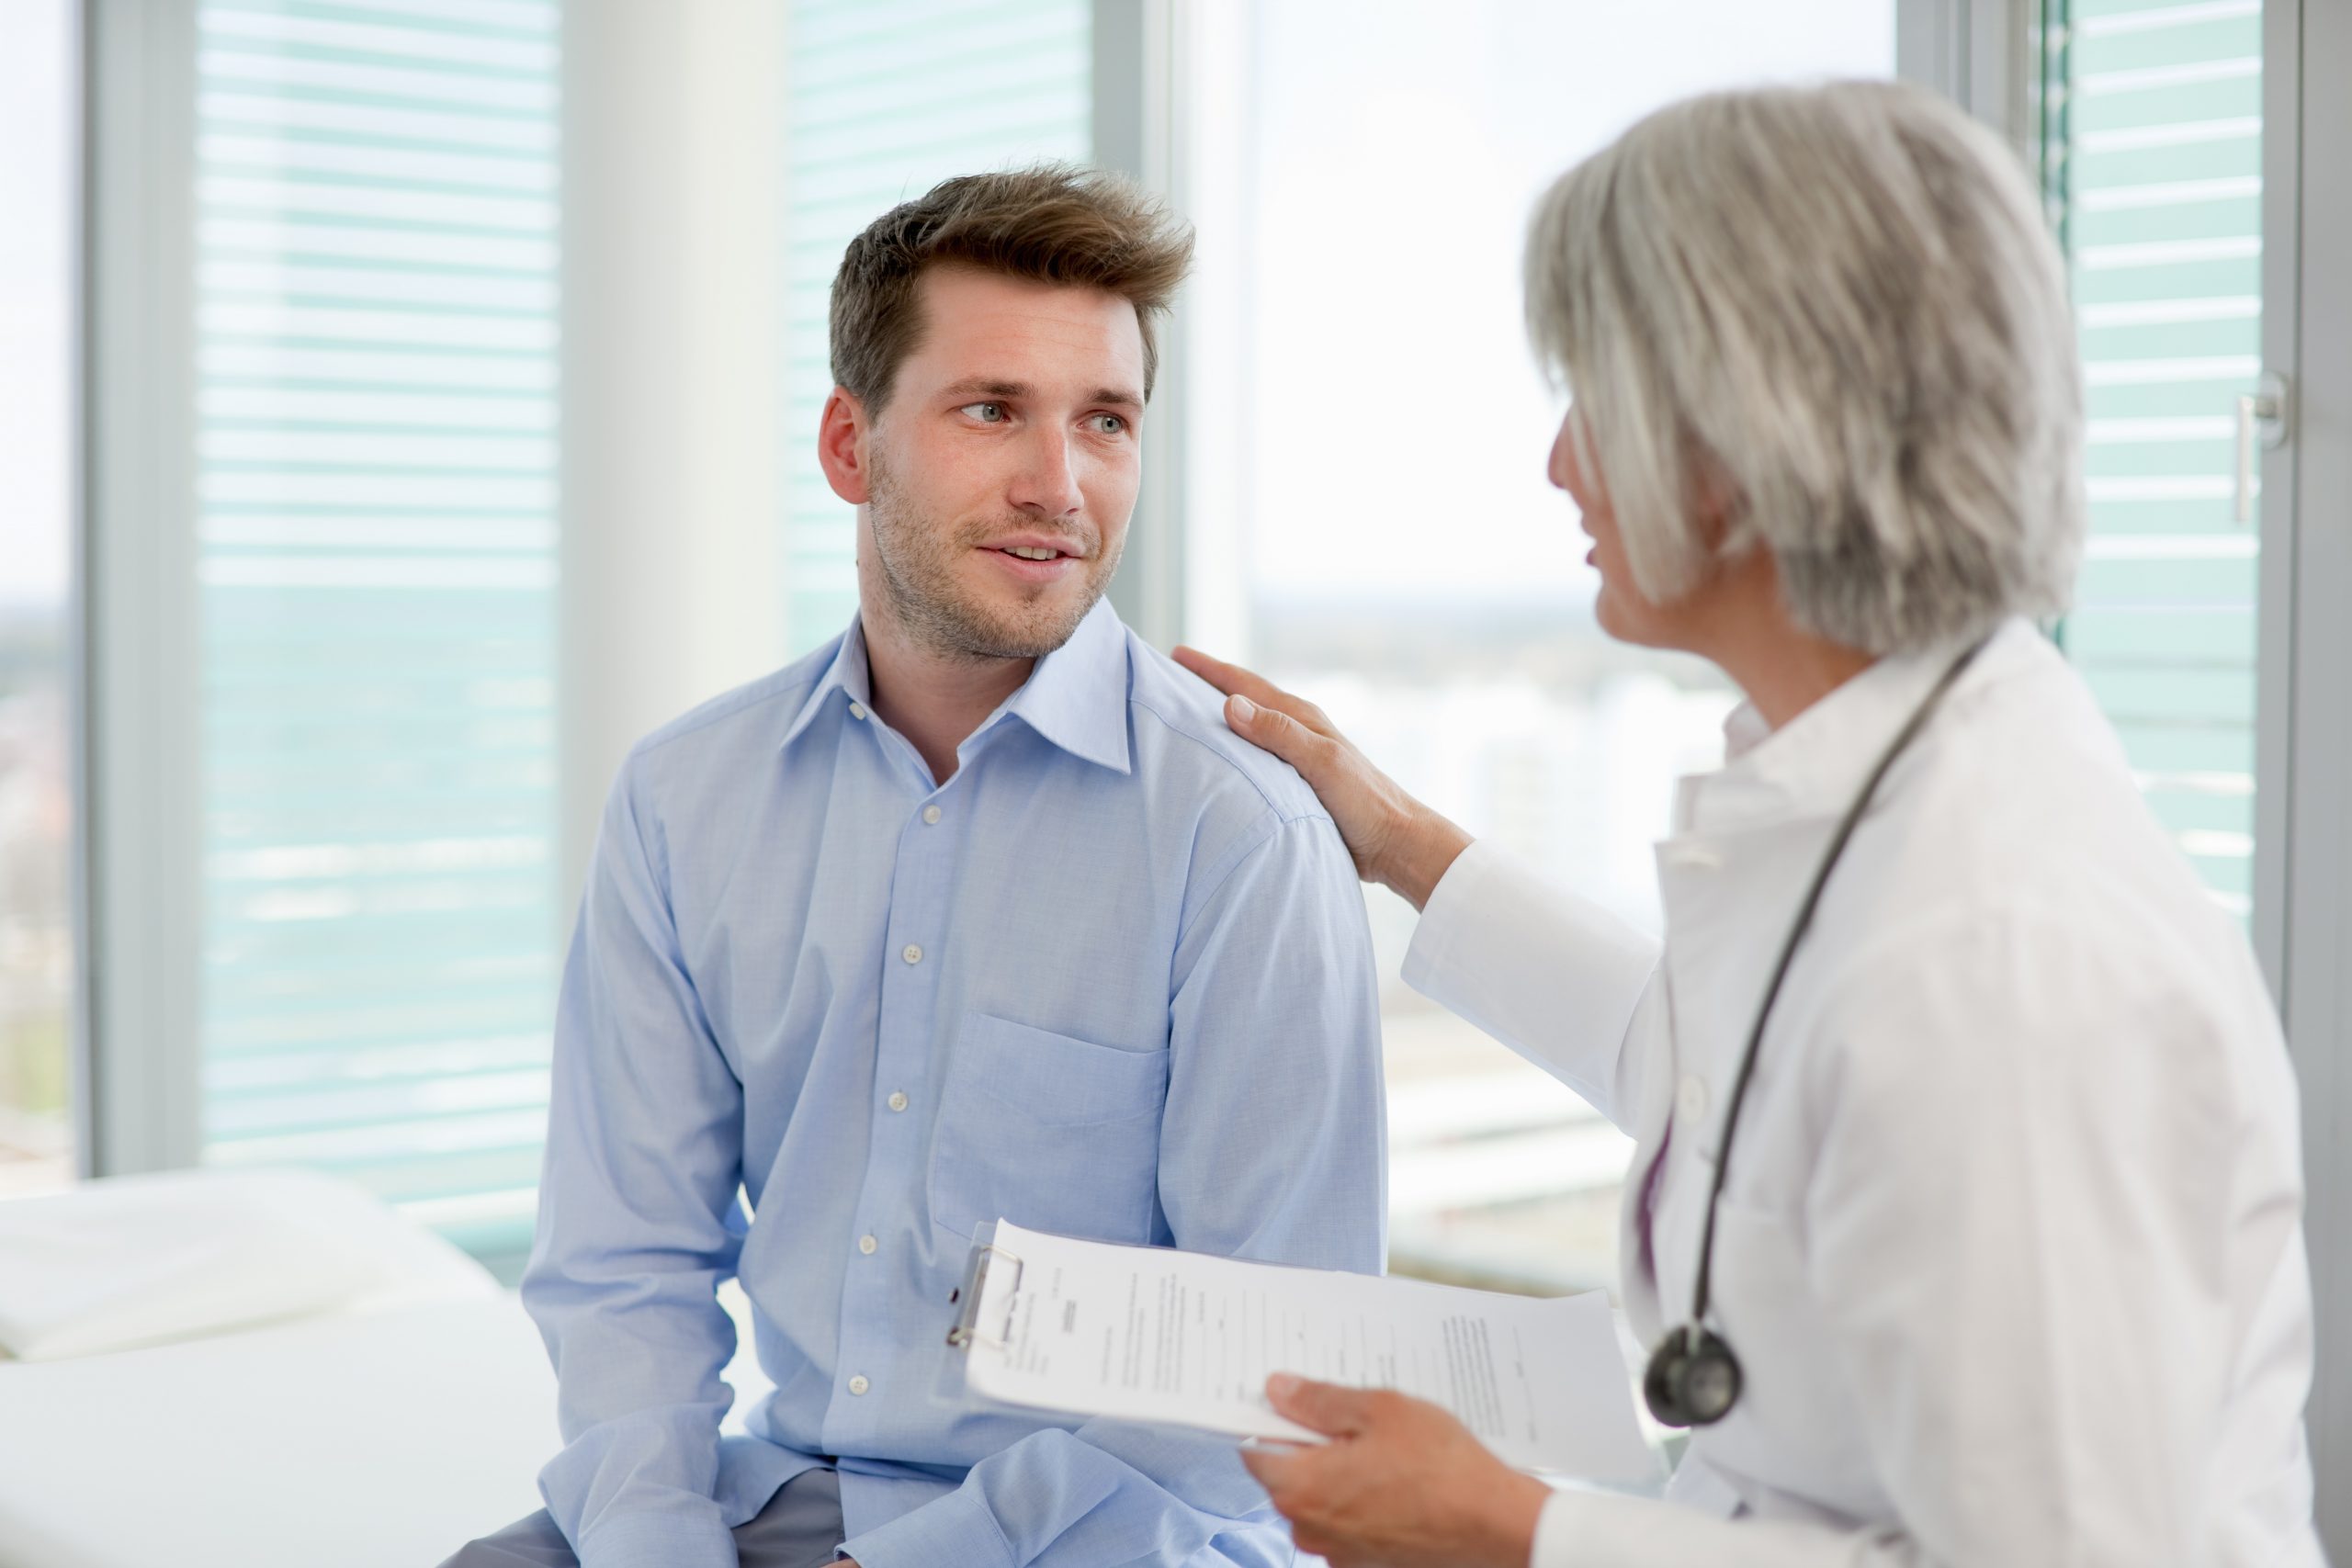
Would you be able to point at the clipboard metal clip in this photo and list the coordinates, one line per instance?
(977, 1272)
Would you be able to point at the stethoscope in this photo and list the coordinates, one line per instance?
(1693, 1379)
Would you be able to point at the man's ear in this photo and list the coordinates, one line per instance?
(841, 437)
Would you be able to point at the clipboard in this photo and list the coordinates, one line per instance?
(974, 1324)
(1065, 1331)
(989, 1263)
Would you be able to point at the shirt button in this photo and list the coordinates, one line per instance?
(931, 815)
(898, 1100)
(867, 1245)
(1690, 1098)
(857, 710)
(912, 953)
(858, 1383)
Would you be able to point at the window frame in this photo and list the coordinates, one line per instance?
(138, 1070)
(1976, 52)
(2307, 728)
(1137, 66)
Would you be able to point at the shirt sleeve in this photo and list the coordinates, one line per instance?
(1556, 977)
(643, 1162)
(2029, 1218)
(1274, 1147)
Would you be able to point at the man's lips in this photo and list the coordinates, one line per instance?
(1037, 546)
(1034, 560)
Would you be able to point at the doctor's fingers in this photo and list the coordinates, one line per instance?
(1323, 760)
(1357, 794)
(1329, 1408)
(1413, 1489)
(1296, 1482)
(1393, 839)
(1366, 805)
(1261, 692)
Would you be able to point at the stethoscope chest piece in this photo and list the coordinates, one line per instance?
(1693, 1379)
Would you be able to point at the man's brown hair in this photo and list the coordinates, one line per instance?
(1049, 223)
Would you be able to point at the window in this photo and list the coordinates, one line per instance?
(1370, 521)
(2153, 159)
(376, 513)
(37, 158)
(886, 102)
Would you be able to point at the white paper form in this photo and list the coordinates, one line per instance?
(1176, 1338)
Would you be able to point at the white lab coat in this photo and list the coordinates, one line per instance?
(2011, 1247)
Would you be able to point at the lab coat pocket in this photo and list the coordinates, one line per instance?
(1047, 1130)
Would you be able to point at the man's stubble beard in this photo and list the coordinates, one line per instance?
(917, 563)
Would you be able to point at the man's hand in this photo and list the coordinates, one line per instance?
(1401, 1485)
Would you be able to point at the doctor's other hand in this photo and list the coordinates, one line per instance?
(1397, 840)
(1401, 1485)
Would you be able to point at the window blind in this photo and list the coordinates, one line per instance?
(2157, 173)
(886, 102)
(376, 469)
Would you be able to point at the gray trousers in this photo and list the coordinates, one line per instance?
(798, 1529)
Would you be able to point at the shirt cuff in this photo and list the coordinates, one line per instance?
(1602, 1529)
(1582, 1529)
(1453, 905)
(956, 1529)
(659, 1541)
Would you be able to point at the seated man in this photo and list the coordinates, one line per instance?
(978, 912)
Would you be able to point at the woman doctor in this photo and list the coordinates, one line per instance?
(2005, 1267)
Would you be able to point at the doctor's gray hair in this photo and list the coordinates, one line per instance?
(1840, 307)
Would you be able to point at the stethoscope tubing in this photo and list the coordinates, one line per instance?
(1701, 1297)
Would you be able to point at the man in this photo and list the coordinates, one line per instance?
(979, 912)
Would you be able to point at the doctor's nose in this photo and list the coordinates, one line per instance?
(1046, 485)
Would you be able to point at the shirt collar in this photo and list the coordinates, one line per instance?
(1811, 766)
(1075, 698)
(846, 672)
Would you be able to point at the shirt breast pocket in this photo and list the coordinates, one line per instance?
(1050, 1132)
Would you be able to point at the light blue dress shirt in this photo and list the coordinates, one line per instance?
(1112, 979)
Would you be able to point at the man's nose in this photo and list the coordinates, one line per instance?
(1047, 484)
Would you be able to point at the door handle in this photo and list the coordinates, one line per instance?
(2261, 411)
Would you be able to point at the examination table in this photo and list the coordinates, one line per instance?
(382, 1411)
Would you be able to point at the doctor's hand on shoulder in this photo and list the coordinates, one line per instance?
(1401, 1483)
(1396, 841)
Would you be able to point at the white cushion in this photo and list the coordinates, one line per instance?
(136, 1260)
(377, 1441)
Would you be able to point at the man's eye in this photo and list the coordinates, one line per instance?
(1109, 424)
(987, 413)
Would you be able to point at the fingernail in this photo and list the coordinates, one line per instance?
(1244, 711)
(1282, 1385)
